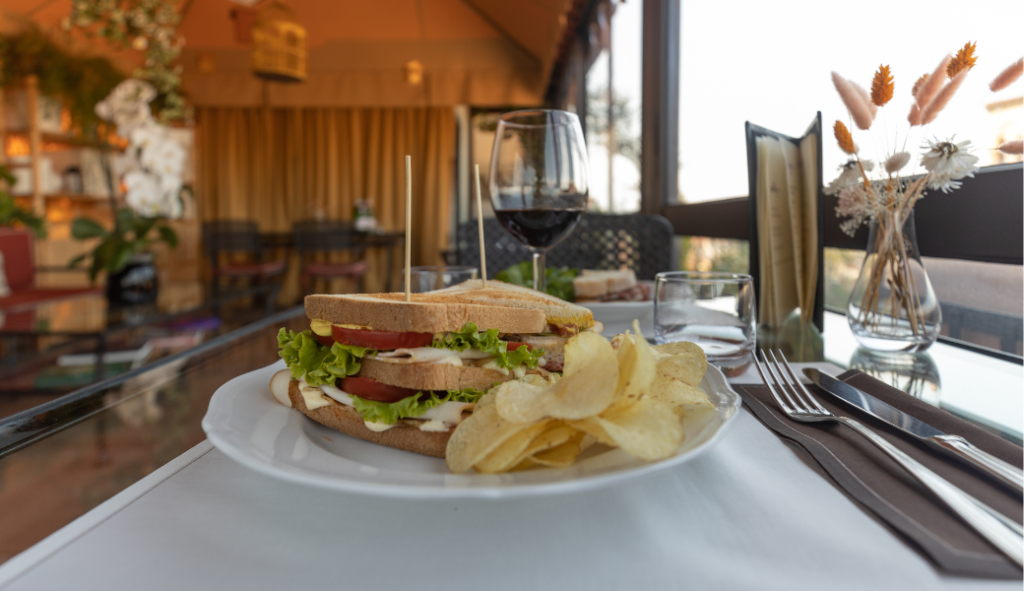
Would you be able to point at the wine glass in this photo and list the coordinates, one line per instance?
(539, 179)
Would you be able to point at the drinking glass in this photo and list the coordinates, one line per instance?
(432, 277)
(539, 179)
(713, 310)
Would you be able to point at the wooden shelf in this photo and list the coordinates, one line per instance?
(53, 142)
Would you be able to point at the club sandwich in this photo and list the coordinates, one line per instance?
(405, 374)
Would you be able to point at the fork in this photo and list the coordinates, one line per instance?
(1002, 532)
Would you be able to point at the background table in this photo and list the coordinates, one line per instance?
(748, 514)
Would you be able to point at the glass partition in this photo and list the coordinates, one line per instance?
(61, 459)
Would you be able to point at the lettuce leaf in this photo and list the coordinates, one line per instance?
(390, 413)
(319, 365)
(488, 342)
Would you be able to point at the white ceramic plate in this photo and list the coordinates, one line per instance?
(621, 312)
(248, 425)
(618, 317)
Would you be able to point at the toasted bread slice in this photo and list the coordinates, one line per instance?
(430, 376)
(505, 307)
(594, 284)
(390, 312)
(556, 311)
(347, 420)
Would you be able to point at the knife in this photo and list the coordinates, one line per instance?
(951, 445)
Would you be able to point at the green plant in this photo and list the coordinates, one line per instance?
(559, 279)
(149, 26)
(11, 214)
(129, 237)
(78, 82)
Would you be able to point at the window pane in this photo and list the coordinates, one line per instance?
(697, 253)
(772, 67)
(621, 171)
(981, 302)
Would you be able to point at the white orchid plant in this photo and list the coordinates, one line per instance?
(153, 163)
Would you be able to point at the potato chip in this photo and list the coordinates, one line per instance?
(539, 380)
(556, 433)
(583, 349)
(480, 434)
(625, 393)
(683, 361)
(585, 391)
(591, 427)
(562, 455)
(636, 367)
(486, 400)
(678, 394)
(526, 464)
(510, 452)
(647, 430)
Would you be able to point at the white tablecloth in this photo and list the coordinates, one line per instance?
(750, 514)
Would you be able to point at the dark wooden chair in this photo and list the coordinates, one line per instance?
(318, 242)
(633, 241)
(231, 238)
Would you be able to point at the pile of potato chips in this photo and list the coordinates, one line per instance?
(621, 393)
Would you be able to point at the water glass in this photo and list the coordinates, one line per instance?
(433, 277)
(714, 310)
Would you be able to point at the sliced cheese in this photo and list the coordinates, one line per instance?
(437, 426)
(313, 396)
(378, 427)
(448, 412)
(430, 355)
(493, 364)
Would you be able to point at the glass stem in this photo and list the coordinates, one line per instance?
(539, 277)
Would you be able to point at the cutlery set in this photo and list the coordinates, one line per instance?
(800, 405)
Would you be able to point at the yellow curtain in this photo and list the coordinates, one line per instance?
(276, 166)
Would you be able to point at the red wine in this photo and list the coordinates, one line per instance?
(539, 228)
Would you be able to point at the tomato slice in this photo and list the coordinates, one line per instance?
(380, 340)
(371, 389)
(324, 341)
(513, 345)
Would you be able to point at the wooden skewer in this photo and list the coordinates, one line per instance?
(480, 226)
(408, 228)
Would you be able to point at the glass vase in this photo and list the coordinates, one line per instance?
(893, 306)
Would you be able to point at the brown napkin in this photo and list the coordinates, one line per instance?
(885, 490)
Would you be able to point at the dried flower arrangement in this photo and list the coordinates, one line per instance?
(888, 201)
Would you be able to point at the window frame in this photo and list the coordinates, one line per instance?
(979, 222)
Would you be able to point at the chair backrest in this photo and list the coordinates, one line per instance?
(324, 236)
(231, 236)
(634, 241)
(19, 262)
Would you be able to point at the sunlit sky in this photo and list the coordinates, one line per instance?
(770, 63)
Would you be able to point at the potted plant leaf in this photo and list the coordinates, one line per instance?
(155, 160)
(13, 215)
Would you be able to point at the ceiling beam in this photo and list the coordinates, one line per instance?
(504, 32)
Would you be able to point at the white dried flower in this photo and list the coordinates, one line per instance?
(896, 162)
(849, 174)
(948, 162)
